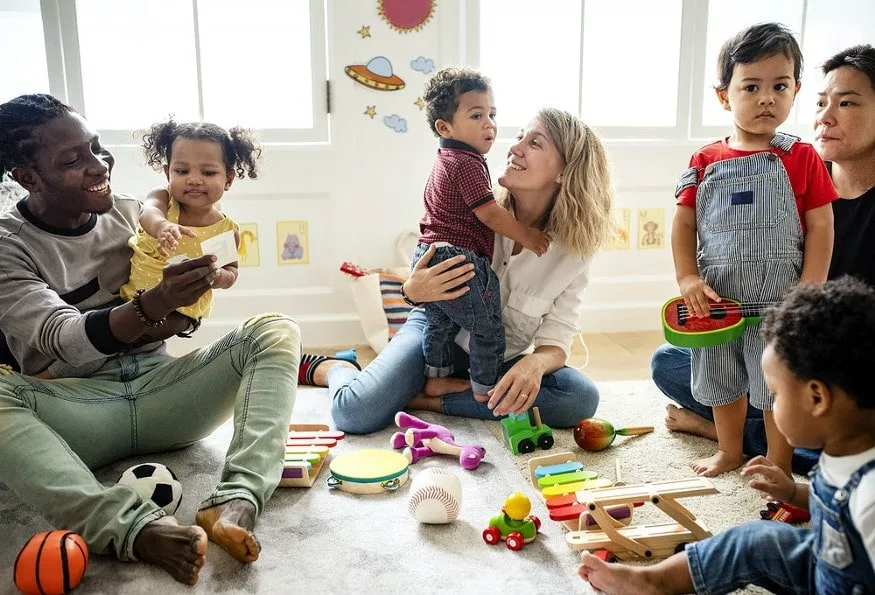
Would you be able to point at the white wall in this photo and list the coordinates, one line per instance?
(365, 187)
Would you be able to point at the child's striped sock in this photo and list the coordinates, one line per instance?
(308, 365)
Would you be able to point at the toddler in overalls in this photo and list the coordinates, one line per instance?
(818, 364)
(753, 220)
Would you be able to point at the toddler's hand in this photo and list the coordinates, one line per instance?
(169, 236)
(774, 483)
(536, 240)
(696, 294)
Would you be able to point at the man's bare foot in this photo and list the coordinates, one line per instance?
(719, 462)
(688, 422)
(230, 525)
(438, 387)
(614, 578)
(178, 550)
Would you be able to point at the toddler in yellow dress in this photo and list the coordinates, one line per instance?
(200, 161)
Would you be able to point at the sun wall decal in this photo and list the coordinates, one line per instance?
(406, 15)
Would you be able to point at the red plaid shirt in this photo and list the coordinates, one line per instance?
(458, 185)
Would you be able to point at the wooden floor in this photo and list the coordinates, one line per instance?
(612, 356)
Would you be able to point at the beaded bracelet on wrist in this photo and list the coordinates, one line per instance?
(407, 300)
(138, 308)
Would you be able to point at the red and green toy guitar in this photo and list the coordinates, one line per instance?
(725, 323)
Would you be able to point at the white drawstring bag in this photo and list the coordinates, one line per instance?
(377, 295)
(380, 305)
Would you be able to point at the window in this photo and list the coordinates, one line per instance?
(643, 69)
(22, 37)
(586, 57)
(233, 62)
(822, 28)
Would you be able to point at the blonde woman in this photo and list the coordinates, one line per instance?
(556, 179)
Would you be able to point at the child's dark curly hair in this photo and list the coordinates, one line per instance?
(827, 333)
(442, 92)
(239, 148)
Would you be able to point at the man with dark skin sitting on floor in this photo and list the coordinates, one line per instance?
(63, 256)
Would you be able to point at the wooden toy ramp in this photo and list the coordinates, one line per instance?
(647, 541)
(306, 450)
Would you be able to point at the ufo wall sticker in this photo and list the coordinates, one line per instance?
(406, 15)
(376, 74)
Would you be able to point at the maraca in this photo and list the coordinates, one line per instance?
(597, 434)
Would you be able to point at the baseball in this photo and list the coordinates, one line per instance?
(435, 496)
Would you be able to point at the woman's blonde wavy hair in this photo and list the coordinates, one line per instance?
(580, 216)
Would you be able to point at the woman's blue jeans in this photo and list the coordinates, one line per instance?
(672, 373)
(367, 401)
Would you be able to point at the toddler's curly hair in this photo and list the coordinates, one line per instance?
(239, 148)
(827, 333)
(442, 91)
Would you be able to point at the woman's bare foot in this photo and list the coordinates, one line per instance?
(614, 578)
(720, 462)
(177, 549)
(438, 387)
(230, 525)
(688, 422)
(320, 372)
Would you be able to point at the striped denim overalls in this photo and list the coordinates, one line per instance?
(750, 250)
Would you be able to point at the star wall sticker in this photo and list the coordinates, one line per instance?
(365, 31)
(370, 111)
(419, 103)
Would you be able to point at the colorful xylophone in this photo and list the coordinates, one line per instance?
(306, 450)
(558, 477)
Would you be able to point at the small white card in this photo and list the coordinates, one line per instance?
(222, 246)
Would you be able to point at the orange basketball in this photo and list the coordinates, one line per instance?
(51, 563)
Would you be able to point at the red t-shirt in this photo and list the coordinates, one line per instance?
(458, 185)
(809, 178)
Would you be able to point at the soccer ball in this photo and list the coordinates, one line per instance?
(155, 482)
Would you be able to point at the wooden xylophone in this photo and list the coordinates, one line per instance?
(307, 448)
(558, 478)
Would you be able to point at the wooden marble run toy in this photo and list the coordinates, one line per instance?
(521, 435)
(647, 541)
(600, 518)
(306, 450)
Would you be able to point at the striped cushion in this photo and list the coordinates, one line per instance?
(393, 302)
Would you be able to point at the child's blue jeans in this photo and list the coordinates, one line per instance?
(478, 311)
(769, 554)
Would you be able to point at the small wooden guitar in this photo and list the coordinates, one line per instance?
(725, 322)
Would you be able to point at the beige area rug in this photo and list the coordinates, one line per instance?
(318, 539)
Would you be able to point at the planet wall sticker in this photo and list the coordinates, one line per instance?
(406, 15)
(376, 74)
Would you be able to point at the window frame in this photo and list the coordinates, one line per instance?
(60, 29)
(691, 79)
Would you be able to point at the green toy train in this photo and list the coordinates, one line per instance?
(521, 436)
